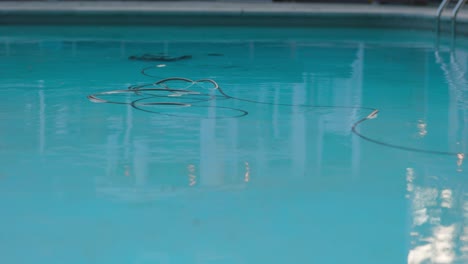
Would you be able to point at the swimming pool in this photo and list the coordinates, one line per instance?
(265, 170)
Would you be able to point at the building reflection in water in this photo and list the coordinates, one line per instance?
(42, 117)
(439, 218)
(439, 215)
(453, 64)
(439, 199)
(225, 160)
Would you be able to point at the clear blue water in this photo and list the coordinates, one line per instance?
(84, 182)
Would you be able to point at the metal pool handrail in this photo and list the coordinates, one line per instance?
(455, 11)
(455, 14)
(439, 13)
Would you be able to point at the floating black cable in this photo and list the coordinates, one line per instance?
(158, 57)
(137, 105)
(191, 98)
(354, 130)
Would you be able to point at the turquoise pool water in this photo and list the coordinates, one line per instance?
(271, 173)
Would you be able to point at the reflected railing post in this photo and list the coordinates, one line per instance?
(42, 117)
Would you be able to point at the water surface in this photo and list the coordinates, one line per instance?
(274, 176)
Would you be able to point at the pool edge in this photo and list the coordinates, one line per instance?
(224, 14)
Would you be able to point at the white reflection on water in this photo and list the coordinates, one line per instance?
(247, 172)
(436, 228)
(439, 249)
(446, 197)
(422, 128)
(191, 175)
(460, 157)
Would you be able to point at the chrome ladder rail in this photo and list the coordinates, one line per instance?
(455, 11)
(439, 13)
(454, 16)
